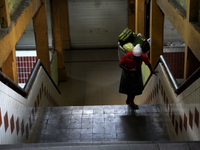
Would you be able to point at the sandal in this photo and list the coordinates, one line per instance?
(134, 106)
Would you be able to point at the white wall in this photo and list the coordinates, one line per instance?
(181, 112)
(26, 112)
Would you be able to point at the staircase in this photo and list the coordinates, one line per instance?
(103, 127)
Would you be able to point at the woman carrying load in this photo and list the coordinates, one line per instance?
(131, 82)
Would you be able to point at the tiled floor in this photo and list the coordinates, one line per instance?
(93, 78)
(109, 123)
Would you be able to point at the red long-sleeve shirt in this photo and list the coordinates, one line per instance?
(130, 63)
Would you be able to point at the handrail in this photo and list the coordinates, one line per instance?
(32, 76)
(189, 81)
(24, 92)
(174, 83)
(183, 86)
(10, 83)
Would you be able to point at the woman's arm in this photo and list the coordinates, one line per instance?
(151, 69)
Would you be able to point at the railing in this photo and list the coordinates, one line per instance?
(24, 92)
(7, 81)
(171, 77)
(183, 86)
(189, 81)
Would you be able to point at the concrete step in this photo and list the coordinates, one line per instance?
(109, 123)
(126, 145)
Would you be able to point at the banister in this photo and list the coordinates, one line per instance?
(189, 81)
(10, 83)
(173, 81)
(183, 86)
(32, 76)
(24, 92)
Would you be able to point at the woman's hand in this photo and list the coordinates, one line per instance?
(154, 72)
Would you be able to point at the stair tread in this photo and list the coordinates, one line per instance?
(111, 123)
(125, 145)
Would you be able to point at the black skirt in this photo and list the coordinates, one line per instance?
(131, 83)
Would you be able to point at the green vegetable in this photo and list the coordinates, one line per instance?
(128, 46)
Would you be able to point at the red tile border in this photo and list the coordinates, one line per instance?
(191, 119)
(22, 127)
(30, 122)
(33, 114)
(176, 128)
(173, 118)
(167, 103)
(196, 117)
(185, 121)
(12, 125)
(27, 131)
(170, 111)
(17, 125)
(6, 121)
(181, 124)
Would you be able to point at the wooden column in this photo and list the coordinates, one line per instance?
(156, 32)
(57, 37)
(140, 17)
(131, 14)
(9, 67)
(65, 24)
(4, 14)
(191, 62)
(41, 36)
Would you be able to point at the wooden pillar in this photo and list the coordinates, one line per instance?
(140, 17)
(41, 36)
(65, 24)
(4, 14)
(191, 62)
(57, 37)
(193, 10)
(9, 67)
(156, 32)
(131, 14)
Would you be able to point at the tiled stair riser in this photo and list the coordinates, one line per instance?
(19, 115)
(181, 111)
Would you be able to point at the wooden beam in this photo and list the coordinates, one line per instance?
(186, 27)
(57, 37)
(174, 16)
(8, 67)
(192, 10)
(4, 14)
(131, 14)
(41, 36)
(65, 24)
(13, 34)
(140, 17)
(156, 32)
(9, 40)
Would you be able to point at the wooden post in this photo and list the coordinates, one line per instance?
(140, 17)
(57, 37)
(65, 24)
(156, 32)
(9, 67)
(131, 14)
(41, 36)
(4, 14)
(190, 61)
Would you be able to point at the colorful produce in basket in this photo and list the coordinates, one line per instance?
(128, 47)
(128, 36)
